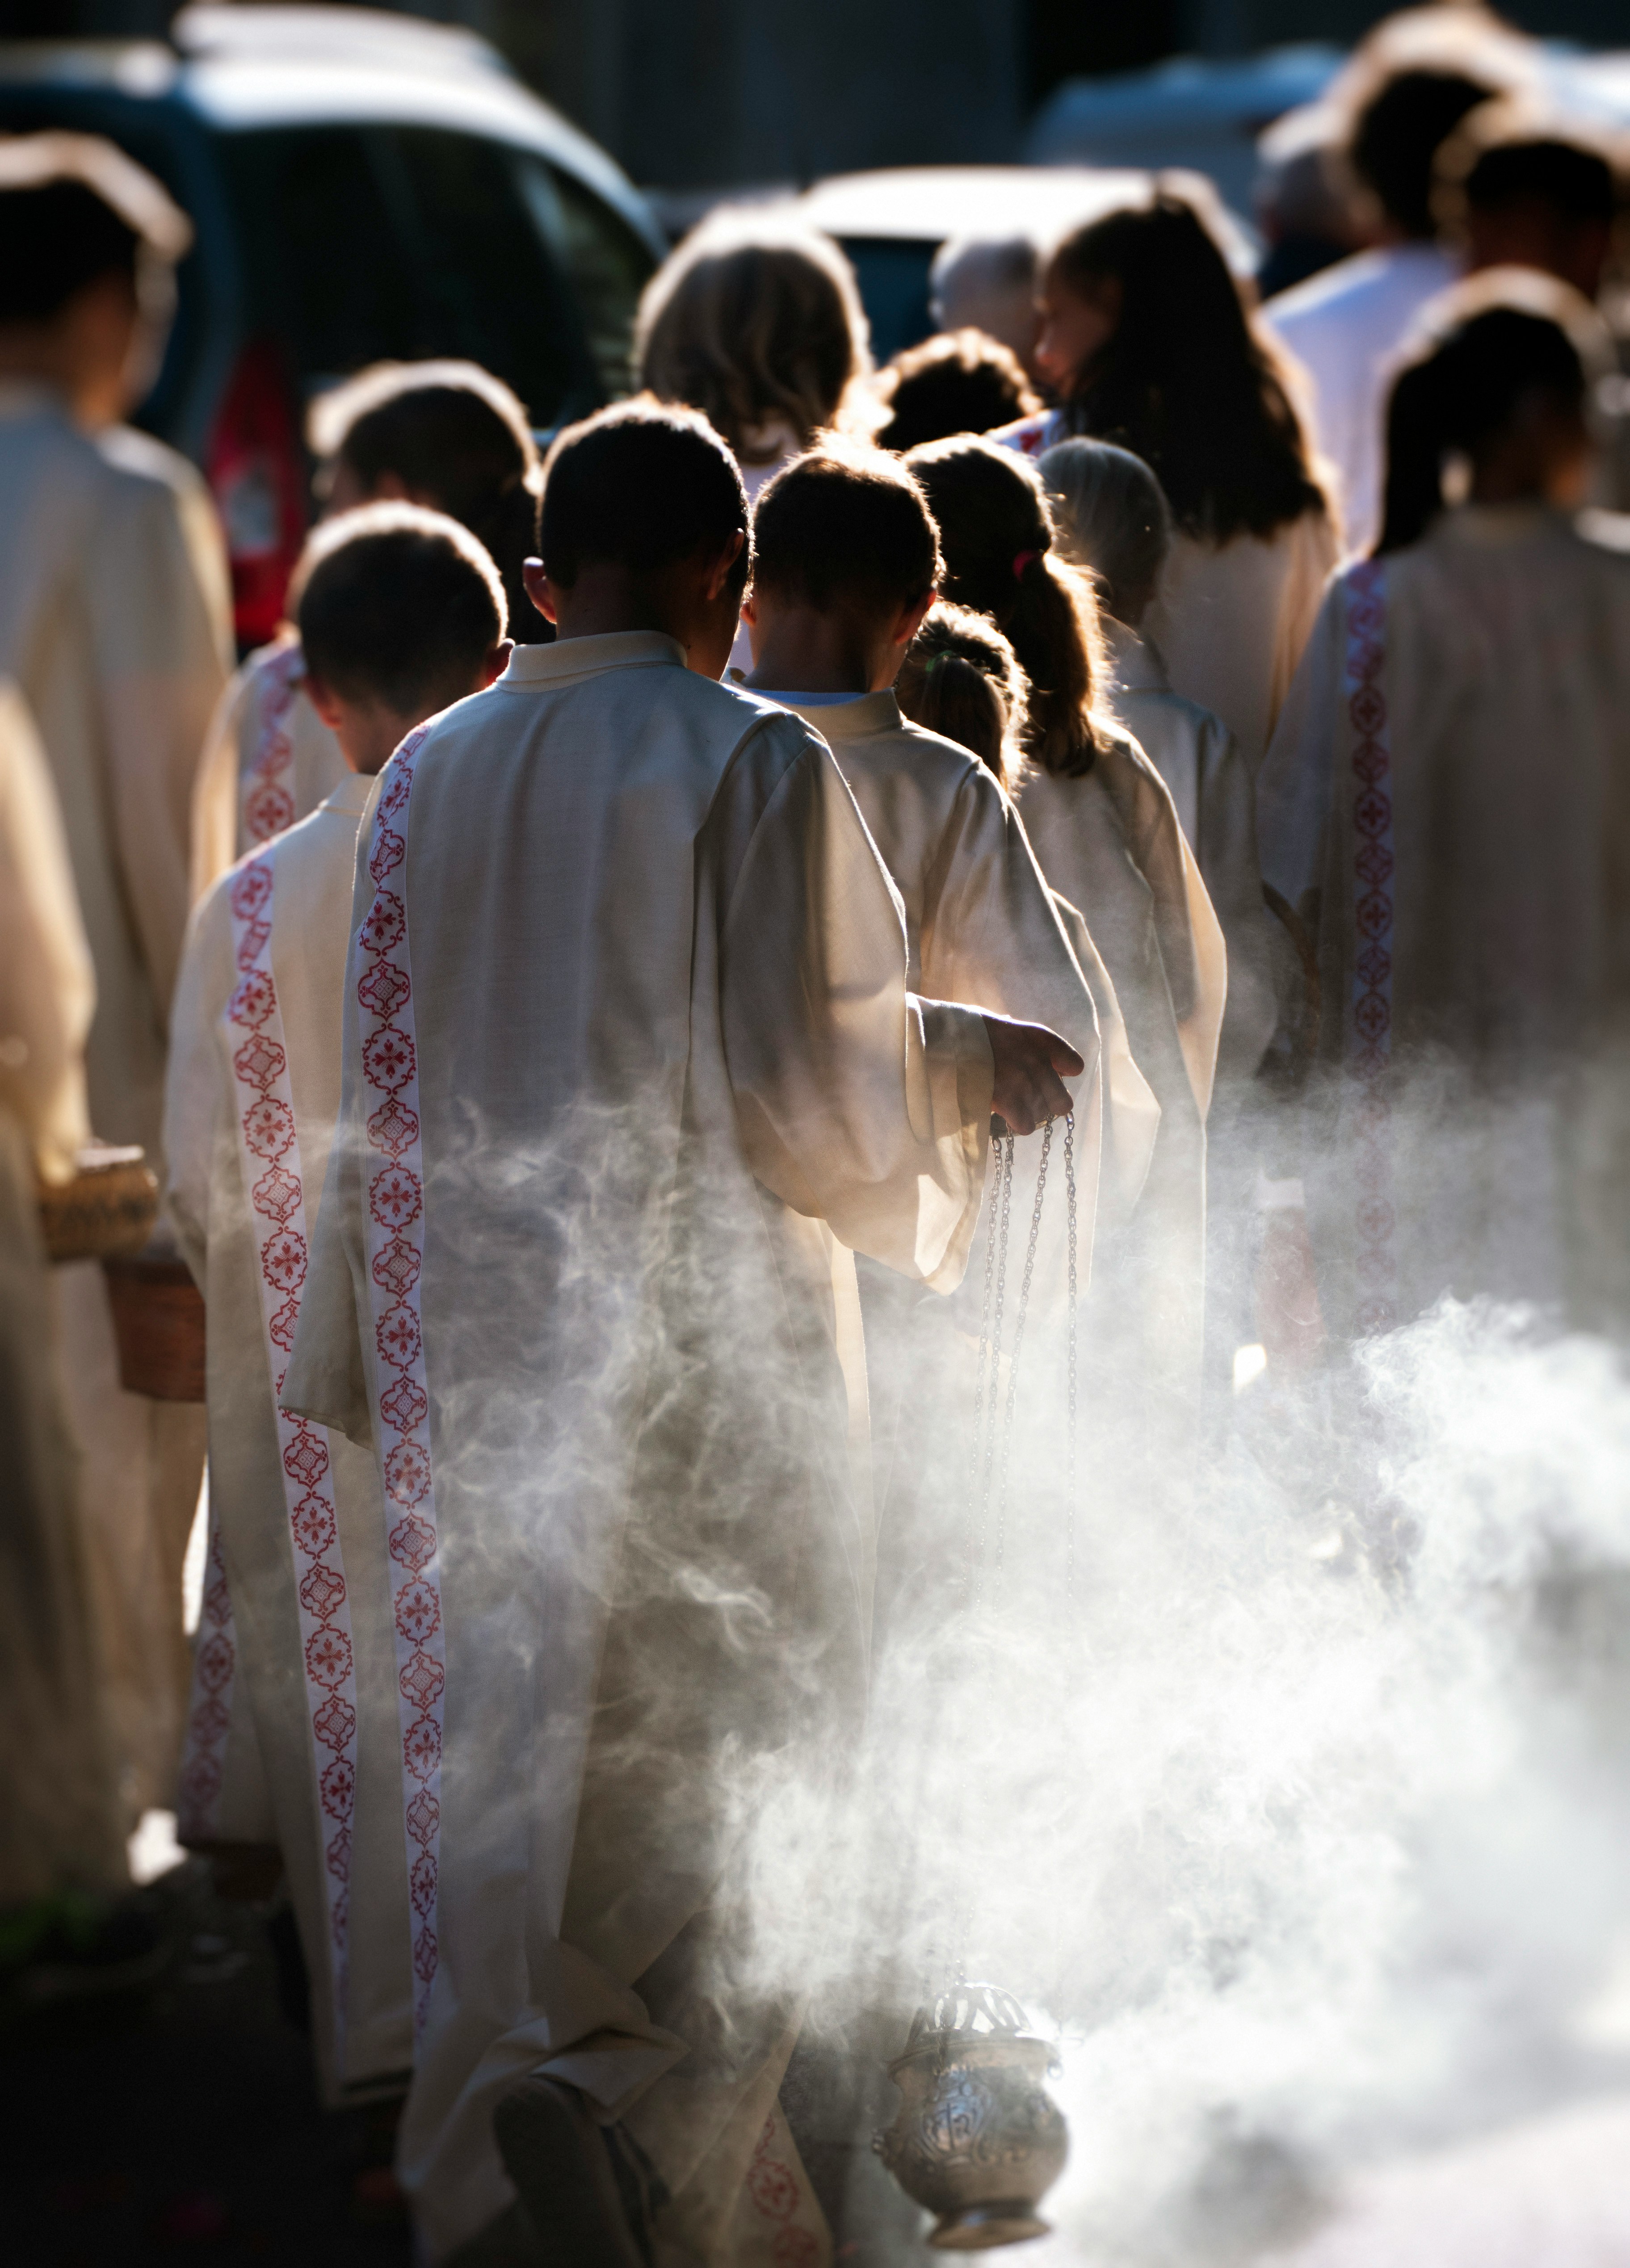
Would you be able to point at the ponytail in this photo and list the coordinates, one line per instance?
(1462, 393)
(997, 534)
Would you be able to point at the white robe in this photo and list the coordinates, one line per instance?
(60, 1826)
(257, 1777)
(1231, 621)
(1109, 843)
(1447, 805)
(1345, 327)
(115, 622)
(634, 979)
(270, 760)
(1211, 784)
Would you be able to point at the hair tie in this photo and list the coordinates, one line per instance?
(1021, 561)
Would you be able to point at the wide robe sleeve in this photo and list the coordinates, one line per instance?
(192, 1094)
(161, 665)
(858, 1102)
(48, 988)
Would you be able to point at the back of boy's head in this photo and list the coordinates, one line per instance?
(1492, 170)
(959, 382)
(74, 209)
(846, 527)
(453, 435)
(1400, 132)
(398, 606)
(1113, 518)
(641, 486)
(962, 679)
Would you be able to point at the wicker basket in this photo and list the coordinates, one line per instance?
(106, 1210)
(158, 1322)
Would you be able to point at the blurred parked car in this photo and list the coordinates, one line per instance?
(363, 187)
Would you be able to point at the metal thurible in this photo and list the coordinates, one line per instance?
(978, 2140)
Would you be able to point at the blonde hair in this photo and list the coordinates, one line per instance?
(962, 679)
(755, 321)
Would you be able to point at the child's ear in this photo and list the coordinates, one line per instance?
(497, 661)
(912, 616)
(324, 701)
(534, 577)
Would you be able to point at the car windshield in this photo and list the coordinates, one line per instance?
(391, 242)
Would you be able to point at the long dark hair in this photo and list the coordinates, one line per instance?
(1187, 382)
(1459, 396)
(997, 534)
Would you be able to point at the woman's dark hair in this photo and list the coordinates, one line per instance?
(1459, 396)
(997, 534)
(1187, 382)
(958, 382)
(962, 679)
(457, 439)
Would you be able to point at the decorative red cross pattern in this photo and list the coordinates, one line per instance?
(394, 1192)
(267, 1129)
(1371, 1037)
(267, 789)
(208, 1712)
(785, 2213)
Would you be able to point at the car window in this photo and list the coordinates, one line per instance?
(893, 275)
(606, 262)
(367, 243)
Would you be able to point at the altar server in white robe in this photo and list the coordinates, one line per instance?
(1105, 832)
(60, 1825)
(401, 613)
(628, 1008)
(444, 434)
(114, 620)
(1447, 805)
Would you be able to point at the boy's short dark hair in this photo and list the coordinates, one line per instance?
(398, 605)
(957, 382)
(1400, 131)
(846, 525)
(72, 209)
(644, 485)
(1576, 182)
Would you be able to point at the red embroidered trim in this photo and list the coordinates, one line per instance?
(395, 1178)
(1370, 1034)
(268, 784)
(208, 1712)
(779, 2198)
(269, 1146)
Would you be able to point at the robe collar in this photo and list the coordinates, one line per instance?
(533, 667)
(857, 718)
(1485, 526)
(349, 796)
(1137, 662)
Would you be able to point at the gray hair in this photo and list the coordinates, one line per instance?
(981, 268)
(1113, 518)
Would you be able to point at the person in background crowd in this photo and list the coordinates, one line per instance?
(988, 284)
(61, 1828)
(401, 613)
(956, 382)
(1521, 188)
(1106, 832)
(758, 324)
(446, 435)
(1447, 805)
(1299, 200)
(1113, 520)
(1406, 89)
(1147, 338)
(115, 624)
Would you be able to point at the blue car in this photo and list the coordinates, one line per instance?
(364, 187)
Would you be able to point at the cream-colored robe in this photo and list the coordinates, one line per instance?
(666, 1060)
(1231, 619)
(1211, 784)
(60, 1825)
(1110, 843)
(313, 866)
(268, 760)
(115, 622)
(1447, 802)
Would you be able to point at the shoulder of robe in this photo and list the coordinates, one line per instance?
(1606, 531)
(144, 463)
(945, 761)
